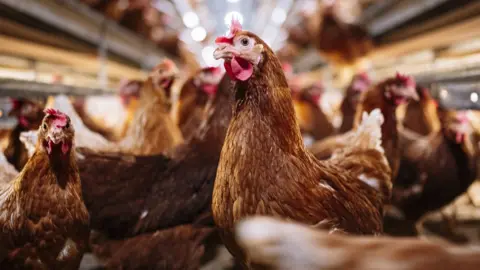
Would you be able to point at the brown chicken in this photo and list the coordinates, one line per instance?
(386, 95)
(145, 194)
(43, 221)
(311, 119)
(281, 245)
(29, 115)
(152, 130)
(264, 167)
(436, 168)
(195, 94)
(177, 248)
(129, 92)
(359, 84)
(339, 41)
(421, 116)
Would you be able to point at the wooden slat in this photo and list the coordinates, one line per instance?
(18, 88)
(86, 63)
(79, 20)
(438, 38)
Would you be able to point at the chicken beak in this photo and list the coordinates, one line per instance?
(223, 51)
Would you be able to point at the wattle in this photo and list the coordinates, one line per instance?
(238, 68)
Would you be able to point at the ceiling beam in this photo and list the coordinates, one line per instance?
(444, 36)
(81, 62)
(82, 22)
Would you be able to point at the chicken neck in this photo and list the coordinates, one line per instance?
(59, 169)
(265, 101)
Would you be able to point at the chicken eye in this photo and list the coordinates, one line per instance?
(244, 41)
(67, 125)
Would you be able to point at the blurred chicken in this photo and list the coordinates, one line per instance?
(44, 222)
(152, 131)
(127, 195)
(311, 119)
(340, 39)
(129, 92)
(280, 245)
(265, 169)
(387, 96)
(436, 168)
(421, 116)
(29, 115)
(359, 84)
(177, 248)
(196, 93)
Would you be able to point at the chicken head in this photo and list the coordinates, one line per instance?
(400, 89)
(163, 76)
(56, 134)
(129, 90)
(207, 80)
(456, 124)
(28, 113)
(242, 51)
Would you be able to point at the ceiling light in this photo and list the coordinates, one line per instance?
(190, 19)
(207, 54)
(233, 15)
(474, 97)
(279, 15)
(199, 33)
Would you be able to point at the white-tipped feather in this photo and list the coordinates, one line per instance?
(371, 130)
(29, 139)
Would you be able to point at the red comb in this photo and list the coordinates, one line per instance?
(60, 119)
(235, 27)
(54, 112)
(407, 80)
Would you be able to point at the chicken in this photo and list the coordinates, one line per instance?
(341, 41)
(436, 168)
(264, 169)
(386, 95)
(312, 120)
(421, 116)
(44, 222)
(359, 84)
(152, 130)
(29, 115)
(281, 245)
(194, 96)
(129, 92)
